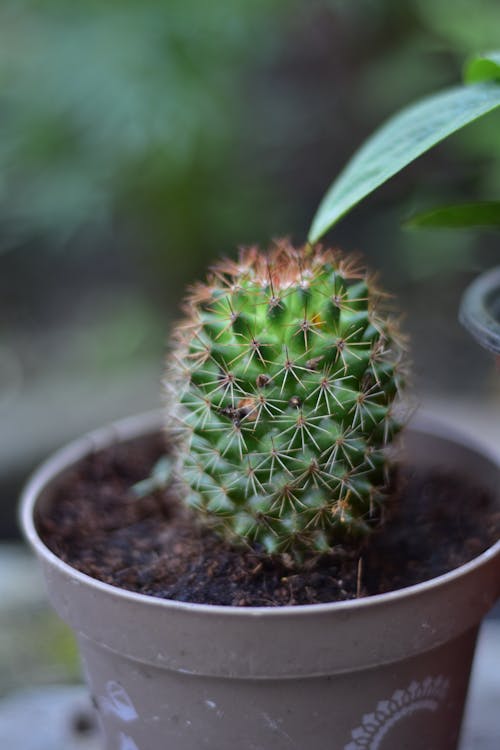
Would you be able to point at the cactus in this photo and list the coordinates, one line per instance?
(282, 387)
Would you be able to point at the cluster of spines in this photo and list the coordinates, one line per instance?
(282, 387)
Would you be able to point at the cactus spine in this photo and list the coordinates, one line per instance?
(282, 385)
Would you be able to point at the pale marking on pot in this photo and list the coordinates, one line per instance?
(274, 724)
(428, 626)
(211, 704)
(126, 742)
(118, 702)
(418, 696)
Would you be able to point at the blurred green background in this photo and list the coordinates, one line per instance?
(140, 140)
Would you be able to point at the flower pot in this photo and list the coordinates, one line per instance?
(480, 309)
(380, 673)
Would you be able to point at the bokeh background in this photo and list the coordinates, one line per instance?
(141, 140)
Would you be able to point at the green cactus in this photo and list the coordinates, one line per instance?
(282, 387)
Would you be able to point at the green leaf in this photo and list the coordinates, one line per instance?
(463, 216)
(481, 68)
(406, 136)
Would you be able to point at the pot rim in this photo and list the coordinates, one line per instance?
(476, 312)
(132, 427)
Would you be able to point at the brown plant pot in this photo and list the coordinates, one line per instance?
(382, 673)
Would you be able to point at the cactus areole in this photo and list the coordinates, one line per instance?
(282, 389)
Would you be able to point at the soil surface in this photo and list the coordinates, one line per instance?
(154, 546)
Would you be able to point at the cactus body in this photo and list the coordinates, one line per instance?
(283, 383)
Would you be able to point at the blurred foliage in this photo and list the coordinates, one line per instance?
(118, 104)
(480, 215)
(36, 650)
(188, 123)
(464, 27)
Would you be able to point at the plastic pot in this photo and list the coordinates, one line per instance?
(480, 309)
(381, 673)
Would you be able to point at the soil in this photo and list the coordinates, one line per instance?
(152, 545)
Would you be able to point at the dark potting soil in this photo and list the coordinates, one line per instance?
(152, 545)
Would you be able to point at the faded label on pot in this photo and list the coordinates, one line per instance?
(118, 702)
(418, 696)
(127, 743)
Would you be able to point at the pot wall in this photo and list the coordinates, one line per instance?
(383, 673)
(414, 704)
